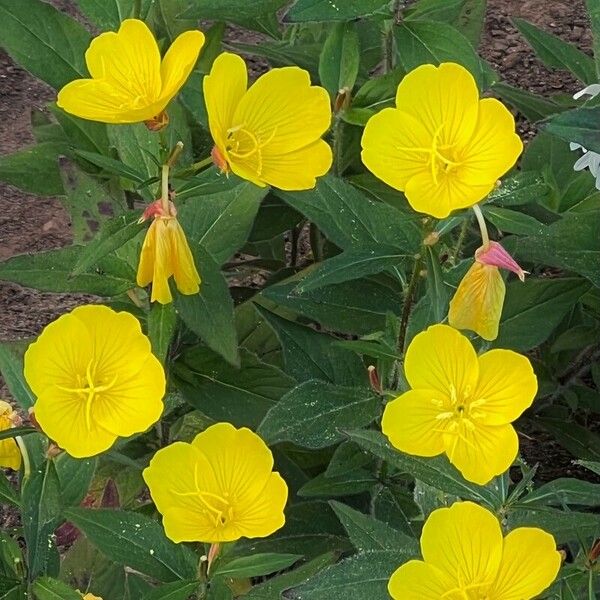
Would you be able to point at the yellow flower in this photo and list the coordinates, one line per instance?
(442, 146)
(89, 596)
(10, 456)
(460, 404)
(95, 379)
(465, 557)
(269, 134)
(166, 253)
(219, 488)
(129, 82)
(478, 300)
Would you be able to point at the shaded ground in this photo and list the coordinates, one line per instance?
(29, 223)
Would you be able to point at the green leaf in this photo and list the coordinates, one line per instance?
(231, 10)
(579, 125)
(139, 149)
(162, 321)
(524, 187)
(555, 53)
(256, 565)
(311, 528)
(351, 264)
(564, 491)
(512, 221)
(34, 169)
(75, 476)
(350, 219)
(112, 166)
(136, 541)
(325, 10)
(11, 366)
(532, 310)
(8, 494)
(178, 590)
(41, 515)
(113, 234)
(368, 534)
(209, 314)
(364, 575)
(347, 457)
(88, 202)
(564, 526)
(240, 396)
(593, 9)
(530, 105)
(437, 472)
(340, 58)
(45, 41)
(108, 14)
(221, 223)
(81, 133)
(349, 483)
(358, 306)
(430, 42)
(274, 587)
(51, 271)
(15, 431)
(309, 354)
(578, 440)
(314, 414)
(47, 588)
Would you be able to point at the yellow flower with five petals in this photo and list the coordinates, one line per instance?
(219, 488)
(10, 455)
(129, 83)
(465, 557)
(442, 146)
(460, 404)
(95, 379)
(269, 134)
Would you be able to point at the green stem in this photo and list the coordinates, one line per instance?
(337, 133)
(485, 238)
(164, 197)
(316, 242)
(461, 240)
(408, 302)
(194, 167)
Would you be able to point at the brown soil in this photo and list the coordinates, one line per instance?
(29, 223)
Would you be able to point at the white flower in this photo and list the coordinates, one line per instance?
(588, 160)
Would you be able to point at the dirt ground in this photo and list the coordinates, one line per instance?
(29, 223)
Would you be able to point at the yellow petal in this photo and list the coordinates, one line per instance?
(265, 515)
(477, 303)
(41, 367)
(439, 196)
(530, 563)
(10, 455)
(283, 107)
(179, 61)
(482, 452)
(411, 424)
(296, 170)
(494, 147)
(417, 580)
(181, 525)
(62, 417)
(508, 385)
(145, 270)
(132, 405)
(223, 88)
(129, 60)
(184, 270)
(98, 100)
(443, 98)
(389, 141)
(173, 474)
(441, 359)
(464, 542)
(239, 458)
(163, 263)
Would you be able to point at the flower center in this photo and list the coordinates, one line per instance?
(243, 144)
(89, 388)
(439, 156)
(218, 507)
(459, 415)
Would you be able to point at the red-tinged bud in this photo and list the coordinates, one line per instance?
(494, 255)
(155, 209)
(342, 100)
(110, 496)
(374, 379)
(219, 160)
(594, 552)
(158, 122)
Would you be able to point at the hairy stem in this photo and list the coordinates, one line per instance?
(408, 303)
